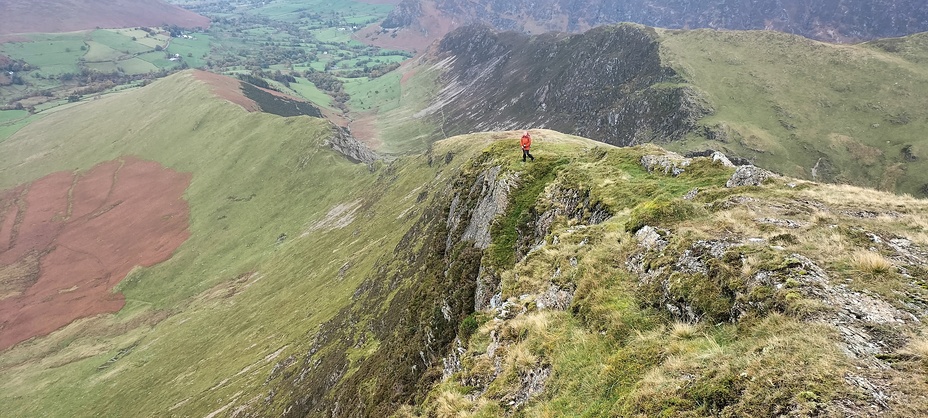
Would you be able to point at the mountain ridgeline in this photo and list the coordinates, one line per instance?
(834, 20)
(608, 84)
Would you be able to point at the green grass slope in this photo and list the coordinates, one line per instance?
(855, 113)
(271, 225)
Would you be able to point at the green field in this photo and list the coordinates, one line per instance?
(12, 121)
(353, 11)
(136, 66)
(103, 67)
(119, 41)
(52, 54)
(193, 51)
(305, 89)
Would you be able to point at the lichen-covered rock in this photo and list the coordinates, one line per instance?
(555, 298)
(670, 163)
(650, 238)
(721, 158)
(452, 363)
(531, 383)
(748, 175)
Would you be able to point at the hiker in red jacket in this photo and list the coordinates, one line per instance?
(526, 144)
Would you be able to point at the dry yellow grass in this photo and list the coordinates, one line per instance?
(452, 404)
(683, 330)
(917, 347)
(871, 262)
(520, 357)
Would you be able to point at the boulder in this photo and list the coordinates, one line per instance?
(748, 175)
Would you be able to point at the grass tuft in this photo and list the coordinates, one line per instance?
(871, 262)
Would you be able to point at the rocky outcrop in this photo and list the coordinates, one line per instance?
(347, 145)
(607, 84)
(404, 14)
(748, 175)
(670, 163)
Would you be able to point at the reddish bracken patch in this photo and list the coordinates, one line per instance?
(68, 238)
(227, 88)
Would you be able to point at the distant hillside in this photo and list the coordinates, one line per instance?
(836, 113)
(50, 16)
(837, 21)
(608, 84)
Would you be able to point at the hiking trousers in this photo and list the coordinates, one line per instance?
(525, 153)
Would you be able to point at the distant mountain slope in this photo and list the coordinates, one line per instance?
(837, 113)
(608, 84)
(42, 16)
(835, 20)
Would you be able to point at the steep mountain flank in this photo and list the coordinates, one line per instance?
(836, 20)
(608, 84)
(50, 16)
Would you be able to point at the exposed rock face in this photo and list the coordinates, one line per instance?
(405, 13)
(835, 20)
(351, 148)
(748, 175)
(555, 298)
(494, 197)
(605, 84)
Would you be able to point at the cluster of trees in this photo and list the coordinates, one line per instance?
(371, 71)
(9, 64)
(331, 85)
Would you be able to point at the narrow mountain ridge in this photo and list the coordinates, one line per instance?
(461, 281)
(709, 294)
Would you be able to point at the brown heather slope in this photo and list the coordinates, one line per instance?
(44, 16)
(68, 238)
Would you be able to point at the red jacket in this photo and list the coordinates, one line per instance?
(526, 142)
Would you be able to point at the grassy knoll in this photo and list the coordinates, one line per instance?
(790, 103)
